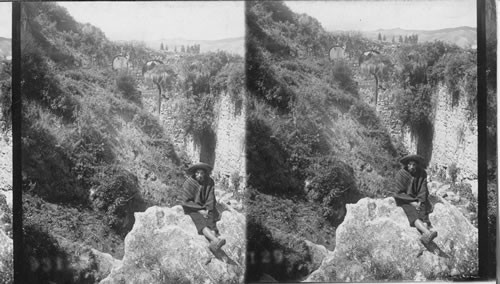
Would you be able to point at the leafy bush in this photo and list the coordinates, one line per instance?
(458, 70)
(127, 85)
(414, 107)
(148, 124)
(331, 184)
(118, 195)
(90, 150)
(343, 75)
(39, 83)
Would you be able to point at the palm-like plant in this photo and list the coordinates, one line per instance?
(378, 66)
(164, 77)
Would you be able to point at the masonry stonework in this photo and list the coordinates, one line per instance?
(455, 134)
(230, 133)
(229, 153)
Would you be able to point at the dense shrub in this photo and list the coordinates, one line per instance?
(414, 107)
(47, 165)
(118, 195)
(126, 84)
(458, 71)
(39, 83)
(343, 75)
(331, 184)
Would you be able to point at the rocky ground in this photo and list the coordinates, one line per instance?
(164, 247)
(376, 243)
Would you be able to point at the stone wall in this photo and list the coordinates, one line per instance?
(228, 156)
(230, 133)
(455, 136)
(454, 139)
(399, 133)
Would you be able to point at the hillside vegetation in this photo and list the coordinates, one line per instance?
(312, 144)
(92, 152)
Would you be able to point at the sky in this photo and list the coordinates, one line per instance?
(374, 15)
(156, 20)
(6, 19)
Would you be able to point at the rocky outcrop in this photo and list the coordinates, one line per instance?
(375, 242)
(164, 247)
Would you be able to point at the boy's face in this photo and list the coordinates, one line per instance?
(412, 166)
(200, 175)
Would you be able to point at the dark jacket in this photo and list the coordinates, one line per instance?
(196, 196)
(412, 187)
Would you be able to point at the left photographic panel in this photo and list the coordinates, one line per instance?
(6, 240)
(121, 101)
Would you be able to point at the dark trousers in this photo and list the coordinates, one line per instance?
(201, 222)
(412, 213)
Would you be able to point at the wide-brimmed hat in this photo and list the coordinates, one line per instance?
(200, 165)
(417, 158)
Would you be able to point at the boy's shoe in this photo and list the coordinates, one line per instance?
(216, 245)
(428, 237)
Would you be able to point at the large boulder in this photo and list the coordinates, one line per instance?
(164, 247)
(376, 242)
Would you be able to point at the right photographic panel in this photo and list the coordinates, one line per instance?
(362, 141)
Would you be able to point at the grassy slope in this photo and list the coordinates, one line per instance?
(92, 152)
(305, 126)
(79, 133)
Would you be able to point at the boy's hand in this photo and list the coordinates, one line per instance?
(204, 213)
(415, 204)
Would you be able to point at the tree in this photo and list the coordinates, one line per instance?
(175, 49)
(379, 37)
(401, 39)
(393, 39)
(166, 47)
(378, 66)
(164, 77)
(161, 46)
(183, 49)
(384, 38)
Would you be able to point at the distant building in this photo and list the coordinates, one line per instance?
(120, 62)
(337, 52)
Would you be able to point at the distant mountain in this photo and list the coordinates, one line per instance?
(231, 45)
(5, 47)
(464, 37)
